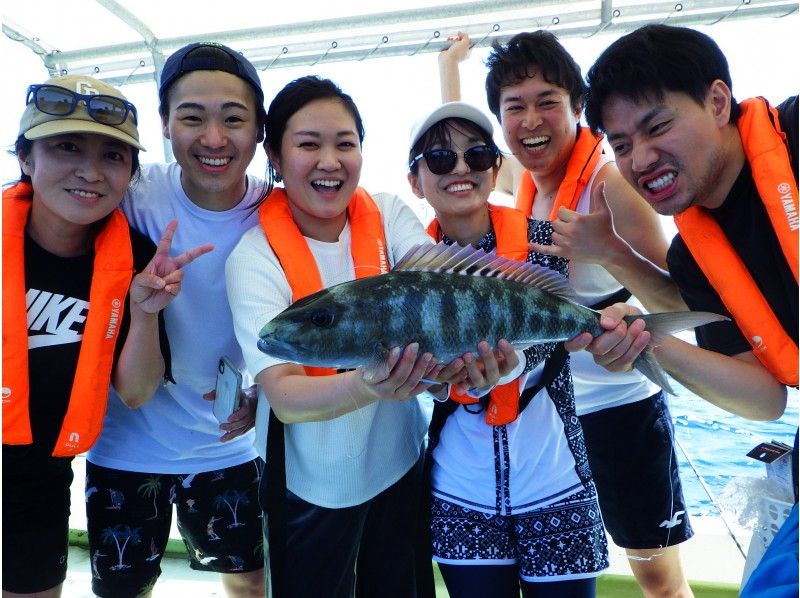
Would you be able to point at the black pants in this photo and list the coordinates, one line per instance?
(367, 550)
(502, 581)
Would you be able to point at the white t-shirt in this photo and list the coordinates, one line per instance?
(352, 458)
(530, 457)
(176, 431)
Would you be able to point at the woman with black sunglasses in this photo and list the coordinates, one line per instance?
(513, 505)
(82, 296)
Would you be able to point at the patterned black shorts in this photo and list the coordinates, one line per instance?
(129, 515)
(563, 540)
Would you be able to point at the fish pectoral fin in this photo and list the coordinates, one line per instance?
(378, 368)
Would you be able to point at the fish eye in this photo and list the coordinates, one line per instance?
(321, 318)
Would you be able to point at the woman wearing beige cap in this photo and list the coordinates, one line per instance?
(76, 279)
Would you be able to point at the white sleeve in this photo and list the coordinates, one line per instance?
(257, 292)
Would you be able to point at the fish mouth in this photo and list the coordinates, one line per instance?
(281, 348)
(274, 347)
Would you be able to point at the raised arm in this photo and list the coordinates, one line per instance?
(140, 367)
(450, 84)
(449, 59)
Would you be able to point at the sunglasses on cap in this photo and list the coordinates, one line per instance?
(443, 161)
(60, 101)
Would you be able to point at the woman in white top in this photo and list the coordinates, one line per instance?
(353, 446)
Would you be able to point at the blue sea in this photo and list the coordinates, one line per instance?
(713, 444)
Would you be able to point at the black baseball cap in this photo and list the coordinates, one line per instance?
(208, 56)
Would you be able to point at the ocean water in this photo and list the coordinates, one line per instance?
(712, 444)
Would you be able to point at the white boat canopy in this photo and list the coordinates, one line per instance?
(126, 41)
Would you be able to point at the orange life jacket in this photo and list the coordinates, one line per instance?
(580, 168)
(766, 151)
(367, 245)
(511, 231)
(113, 270)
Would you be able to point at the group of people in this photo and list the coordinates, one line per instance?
(530, 454)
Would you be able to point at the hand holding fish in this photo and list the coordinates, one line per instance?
(492, 365)
(618, 347)
(400, 378)
(296, 397)
(453, 373)
(470, 372)
(160, 282)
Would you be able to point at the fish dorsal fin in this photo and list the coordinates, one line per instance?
(469, 261)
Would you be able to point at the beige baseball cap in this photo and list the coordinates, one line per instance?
(36, 124)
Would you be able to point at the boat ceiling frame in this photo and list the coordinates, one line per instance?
(396, 33)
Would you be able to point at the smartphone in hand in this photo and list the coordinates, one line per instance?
(229, 386)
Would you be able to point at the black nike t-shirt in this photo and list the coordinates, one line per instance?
(57, 299)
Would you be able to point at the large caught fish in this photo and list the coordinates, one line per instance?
(446, 298)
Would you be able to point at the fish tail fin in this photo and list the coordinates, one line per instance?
(659, 325)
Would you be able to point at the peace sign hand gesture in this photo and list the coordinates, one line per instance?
(160, 281)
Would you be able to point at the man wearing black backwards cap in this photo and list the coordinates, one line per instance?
(169, 450)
